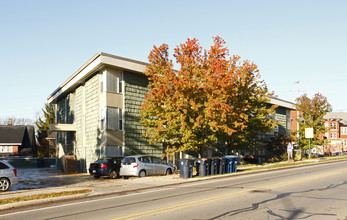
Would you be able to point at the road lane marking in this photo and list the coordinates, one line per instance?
(84, 202)
(216, 198)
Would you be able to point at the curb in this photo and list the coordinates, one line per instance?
(90, 194)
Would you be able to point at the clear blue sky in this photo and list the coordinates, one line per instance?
(42, 43)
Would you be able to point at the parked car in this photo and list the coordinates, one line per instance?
(106, 166)
(143, 165)
(8, 175)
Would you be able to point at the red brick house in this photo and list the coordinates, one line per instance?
(337, 134)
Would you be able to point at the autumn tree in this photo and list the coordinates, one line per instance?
(208, 100)
(42, 125)
(311, 115)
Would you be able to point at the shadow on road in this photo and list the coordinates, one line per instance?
(284, 198)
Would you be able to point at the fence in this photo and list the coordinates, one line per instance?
(30, 162)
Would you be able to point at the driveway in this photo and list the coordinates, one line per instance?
(36, 178)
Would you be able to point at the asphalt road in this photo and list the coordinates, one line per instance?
(313, 192)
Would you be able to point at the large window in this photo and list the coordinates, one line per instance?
(112, 81)
(112, 119)
(344, 142)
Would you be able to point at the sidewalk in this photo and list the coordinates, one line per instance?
(35, 181)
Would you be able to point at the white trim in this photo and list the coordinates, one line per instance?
(10, 144)
(282, 103)
(93, 65)
(76, 79)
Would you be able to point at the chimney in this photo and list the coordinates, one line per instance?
(9, 122)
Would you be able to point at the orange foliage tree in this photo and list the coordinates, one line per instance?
(211, 99)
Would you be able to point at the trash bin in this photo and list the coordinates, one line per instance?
(235, 160)
(39, 162)
(215, 166)
(203, 166)
(186, 168)
(222, 164)
(231, 163)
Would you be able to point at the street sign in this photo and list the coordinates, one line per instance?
(308, 132)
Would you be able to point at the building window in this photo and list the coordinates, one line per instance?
(120, 83)
(6, 149)
(112, 81)
(120, 113)
(326, 124)
(111, 119)
(343, 130)
(111, 151)
(344, 142)
(333, 135)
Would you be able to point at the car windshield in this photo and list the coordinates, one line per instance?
(129, 160)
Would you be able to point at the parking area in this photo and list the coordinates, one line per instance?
(36, 178)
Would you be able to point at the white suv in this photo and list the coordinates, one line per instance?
(8, 175)
(143, 165)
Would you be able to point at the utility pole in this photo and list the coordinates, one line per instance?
(297, 112)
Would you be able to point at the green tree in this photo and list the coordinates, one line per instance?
(209, 99)
(311, 115)
(42, 125)
(276, 146)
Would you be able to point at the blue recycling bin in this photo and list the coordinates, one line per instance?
(235, 160)
(186, 168)
(231, 163)
(203, 166)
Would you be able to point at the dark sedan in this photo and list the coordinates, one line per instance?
(107, 166)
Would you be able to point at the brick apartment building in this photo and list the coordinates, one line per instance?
(337, 134)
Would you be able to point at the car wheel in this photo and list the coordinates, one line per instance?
(168, 172)
(113, 174)
(96, 177)
(4, 184)
(142, 173)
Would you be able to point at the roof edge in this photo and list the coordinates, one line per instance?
(75, 74)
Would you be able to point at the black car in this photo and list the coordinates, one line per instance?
(107, 166)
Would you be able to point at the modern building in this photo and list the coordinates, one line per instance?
(283, 115)
(97, 110)
(98, 107)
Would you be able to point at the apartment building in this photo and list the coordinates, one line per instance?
(336, 122)
(97, 111)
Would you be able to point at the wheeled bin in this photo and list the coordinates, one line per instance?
(231, 163)
(222, 165)
(215, 163)
(186, 168)
(203, 166)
